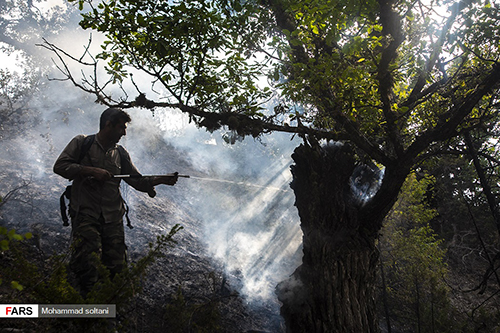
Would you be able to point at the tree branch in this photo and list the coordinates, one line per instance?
(417, 93)
(447, 126)
(392, 29)
(484, 182)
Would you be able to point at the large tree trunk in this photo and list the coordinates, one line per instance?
(333, 289)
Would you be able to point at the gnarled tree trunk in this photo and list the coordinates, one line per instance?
(333, 289)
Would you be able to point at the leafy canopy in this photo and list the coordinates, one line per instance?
(194, 50)
(390, 77)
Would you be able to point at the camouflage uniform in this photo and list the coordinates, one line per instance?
(104, 239)
(97, 209)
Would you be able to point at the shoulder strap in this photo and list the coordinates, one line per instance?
(87, 143)
(84, 149)
(126, 164)
(126, 167)
(62, 203)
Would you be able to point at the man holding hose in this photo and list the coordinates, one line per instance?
(96, 204)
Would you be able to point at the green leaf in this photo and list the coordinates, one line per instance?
(16, 285)
(140, 19)
(11, 233)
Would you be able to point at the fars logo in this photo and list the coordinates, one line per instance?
(18, 310)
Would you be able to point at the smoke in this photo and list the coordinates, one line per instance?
(241, 194)
(291, 290)
(366, 181)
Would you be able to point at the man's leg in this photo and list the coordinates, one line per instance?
(114, 250)
(86, 244)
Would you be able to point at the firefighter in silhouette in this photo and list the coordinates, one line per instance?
(96, 205)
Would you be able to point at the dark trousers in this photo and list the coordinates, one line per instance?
(95, 240)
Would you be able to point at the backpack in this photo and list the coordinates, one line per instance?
(87, 143)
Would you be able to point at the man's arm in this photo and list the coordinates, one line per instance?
(67, 164)
(167, 180)
(143, 184)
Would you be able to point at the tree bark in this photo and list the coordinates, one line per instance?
(333, 289)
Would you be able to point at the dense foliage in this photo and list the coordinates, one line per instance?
(340, 66)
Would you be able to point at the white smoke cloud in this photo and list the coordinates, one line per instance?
(240, 193)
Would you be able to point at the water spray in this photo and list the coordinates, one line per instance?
(145, 176)
(239, 183)
(204, 179)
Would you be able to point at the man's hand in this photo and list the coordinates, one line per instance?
(97, 173)
(167, 180)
